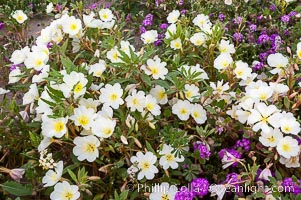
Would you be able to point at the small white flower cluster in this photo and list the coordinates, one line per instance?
(46, 161)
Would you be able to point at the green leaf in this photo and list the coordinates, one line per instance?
(72, 175)
(146, 79)
(35, 139)
(68, 64)
(149, 147)
(16, 189)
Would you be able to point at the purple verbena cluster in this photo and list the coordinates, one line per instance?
(202, 148)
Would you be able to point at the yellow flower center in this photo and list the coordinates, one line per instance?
(135, 101)
(264, 119)
(164, 197)
(150, 106)
(90, 148)
(188, 94)
(78, 88)
(19, 18)
(169, 157)
(177, 45)
(59, 126)
(287, 128)
(68, 195)
(113, 97)
(145, 166)
(73, 27)
(161, 95)
(239, 73)
(286, 148)
(38, 62)
(107, 131)
(154, 70)
(196, 114)
(83, 120)
(115, 56)
(271, 139)
(225, 64)
(262, 96)
(183, 111)
(105, 16)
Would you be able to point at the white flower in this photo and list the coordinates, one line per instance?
(198, 39)
(203, 22)
(103, 127)
(52, 177)
(242, 70)
(114, 56)
(111, 95)
(288, 147)
(225, 47)
(65, 191)
(74, 83)
(91, 22)
(289, 125)
(49, 8)
(271, 138)
(173, 16)
(163, 192)
(86, 148)
(263, 93)
(198, 113)
(36, 60)
(89, 103)
(151, 105)
(155, 68)
(136, 101)
(145, 163)
(20, 16)
(72, 26)
(54, 127)
(299, 50)
(171, 30)
(176, 44)
(45, 143)
(160, 94)
(191, 92)
(98, 68)
(278, 88)
(106, 15)
(278, 61)
(149, 37)
(223, 61)
(4, 91)
(263, 115)
(31, 95)
(19, 56)
(182, 109)
(169, 158)
(83, 117)
(219, 88)
(218, 190)
(228, 2)
(266, 173)
(292, 162)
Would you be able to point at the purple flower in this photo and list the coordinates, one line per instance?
(221, 17)
(13, 67)
(234, 179)
(199, 187)
(286, 32)
(128, 17)
(184, 194)
(243, 143)
(2, 24)
(181, 2)
(292, 13)
(59, 7)
(291, 187)
(158, 2)
(183, 12)
(107, 5)
(285, 18)
(148, 20)
(93, 6)
(263, 38)
(49, 45)
(258, 65)
(142, 29)
(253, 28)
(263, 56)
(202, 148)
(273, 7)
(30, 5)
(237, 20)
(158, 42)
(163, 26)
(238, 37)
